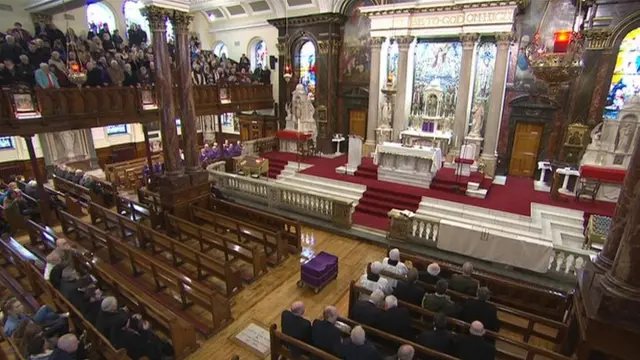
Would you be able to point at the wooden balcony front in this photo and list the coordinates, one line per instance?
(29, 111)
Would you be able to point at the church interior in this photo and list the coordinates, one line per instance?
(320, 179)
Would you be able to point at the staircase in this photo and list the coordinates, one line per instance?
(275, 167)
(367, 169)
(376, 202)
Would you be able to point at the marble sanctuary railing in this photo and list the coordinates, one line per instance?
(321, 206)
(217, 166)
(25, 111)
(564, 262)
(259, 146)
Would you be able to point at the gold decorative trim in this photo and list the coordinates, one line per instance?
(597, 39)
(156, 16)
(376, 42)
(309, 20)
(435, 9)
(335, 45)
(181, 21)
(469, 40)
(323, 46)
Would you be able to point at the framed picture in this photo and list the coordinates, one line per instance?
(117, 129)
(6, 143)
(224, 95)
(23, 103)
(148, 101)
(576, 135)
(322, 113)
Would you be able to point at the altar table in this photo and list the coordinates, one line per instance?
(289, 139)
(417, 137)
(415, 166)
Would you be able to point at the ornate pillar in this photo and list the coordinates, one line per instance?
(461, 119)
(374, 90)
(496, 99)
(188, 118)
(326, 95)
(605, 65)
(399, 116)
(41, 179)
(174, 174)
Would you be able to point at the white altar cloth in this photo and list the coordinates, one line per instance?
(419, 137)
(422, 152)
(428, 135)
(495, 246)
(415, 166)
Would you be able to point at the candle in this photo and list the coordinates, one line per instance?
(561, 40)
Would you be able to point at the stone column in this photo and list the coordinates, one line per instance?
(496, 99)
(188, 118)
(41, 179)
(174, 175)
(374, 90)
(399, 116)
(461, 120)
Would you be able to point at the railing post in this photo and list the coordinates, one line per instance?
(400, 228)
(273, 199)
(341, 214)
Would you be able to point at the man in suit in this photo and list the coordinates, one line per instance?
(480, 309)
(324, 333)
(408, 290)
(358, 348)
(405, 352)
(432, 275)
(45, 78)
(367, 311)
(473, 346)
(395, 320)
(439, 301)
(295, 325)
(464, 283)
(439, 339)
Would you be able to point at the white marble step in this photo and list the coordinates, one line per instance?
(331, 187)
(292, 168)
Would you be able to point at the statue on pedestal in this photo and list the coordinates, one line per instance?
(478, 120)
(386, 115)
(301, 113)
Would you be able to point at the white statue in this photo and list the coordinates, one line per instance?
(595, 134)
(68, 142)
(624, 137)
(478, 120)
(301, 113)
(386, 116)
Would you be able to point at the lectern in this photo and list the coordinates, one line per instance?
(355, 154)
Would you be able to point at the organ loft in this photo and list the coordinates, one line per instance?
(303, 179)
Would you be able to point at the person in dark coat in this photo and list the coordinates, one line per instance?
(464, 283)
(324, 333)
(439, 339)
(134, 335)
(405, 352)
(395, 320)
(358, 348)
(66, 348)
(92, 303)
(432, 275)
(108, 316)
(480, 309)
(295, 325)
(408, 290)
(367, 312)
(474, 346)
(94, 75)
(439, 301)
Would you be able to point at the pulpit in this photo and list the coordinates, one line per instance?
(415, 166)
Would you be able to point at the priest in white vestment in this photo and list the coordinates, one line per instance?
(393, 265)
(372, 279)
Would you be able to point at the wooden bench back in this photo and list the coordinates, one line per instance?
(280, 346)
(79, 191)
(112, 170)
(139, 211)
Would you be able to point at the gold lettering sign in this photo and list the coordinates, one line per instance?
(475, 18)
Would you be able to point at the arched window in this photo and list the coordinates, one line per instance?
(625, 82)
(99, 14)
(307, 61)
(219, 49)
(259, 56)
(132, 15)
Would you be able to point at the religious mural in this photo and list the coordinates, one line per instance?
(559, 16)
(625, 82)
(485, 64)
(392, 61)
(437, 68)
(355, 61)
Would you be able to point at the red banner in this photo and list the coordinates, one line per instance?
(603, 174)
(292, 135)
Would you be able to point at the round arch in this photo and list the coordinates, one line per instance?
(220, 48)
(258, 52)
(346, 6)
(98, 14)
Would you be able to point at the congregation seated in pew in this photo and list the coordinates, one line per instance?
(372, 279)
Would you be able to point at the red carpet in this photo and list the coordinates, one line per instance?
(446, 180)
(515, 196)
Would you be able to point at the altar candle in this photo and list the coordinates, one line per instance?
(561, 40)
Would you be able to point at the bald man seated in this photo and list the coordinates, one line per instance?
(405, 352)
(474, 346)
(395, 320)
(295, 325)
(324, 333)
(358, 348)
(66, 348)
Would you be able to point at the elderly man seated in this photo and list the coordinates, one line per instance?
(295, 325)
(324, 333)
(439, 301)
(408, 290)
(474, 346)
(368, 311)
(357, 347)
(393, 265)
(395, 320)
(405, 352)
(480, 309)
(432, 275)
(464, 283)
(66, 348)
(373, 281)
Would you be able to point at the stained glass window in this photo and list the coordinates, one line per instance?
(625, 82)
(259, 55)
(307, 57)
(485, 63)
(436, 78)
(220, 49)
(99, 14)
(392, 61)
(132, 15)
(117, 129)
(6, 143)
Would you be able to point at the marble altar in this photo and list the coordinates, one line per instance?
(437, 138)
(415, 166)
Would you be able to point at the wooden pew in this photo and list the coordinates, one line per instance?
(420, 314)
(205, 264)
(279, 350)
(534, 299)
(13, 218)
(272, 242)
(527, 330)
(11, 283)
(148, 197)
(208, 239)
(290, 229)
(114, 173)
(138, 211)
(164, 277)
(80, 192)
(72, 205)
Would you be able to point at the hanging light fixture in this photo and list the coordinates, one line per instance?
(288, 71)
(77, 74)
(557, 64)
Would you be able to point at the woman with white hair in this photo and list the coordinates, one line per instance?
(393, 265)
(116, 73)
(372, 280)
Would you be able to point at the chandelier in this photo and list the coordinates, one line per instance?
(557, 64)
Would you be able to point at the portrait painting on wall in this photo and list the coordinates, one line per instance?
(625, 81)
(355, 61)
(559, 16)
(6, 143)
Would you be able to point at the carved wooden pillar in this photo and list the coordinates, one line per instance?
(181, 22)
(606, 61)
(326, 96)
(174, 174)
(41, 179)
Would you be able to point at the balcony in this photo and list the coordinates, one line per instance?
(28, 111)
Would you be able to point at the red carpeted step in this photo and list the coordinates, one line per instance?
(373, 210)
(389, 201)
(370, 221)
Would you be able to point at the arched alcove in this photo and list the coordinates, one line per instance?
(257, 52)
(219, 48)
(99, 14)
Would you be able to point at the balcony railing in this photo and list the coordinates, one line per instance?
(25, 111)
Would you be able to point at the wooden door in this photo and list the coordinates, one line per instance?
(524, 153)
(358, 123)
